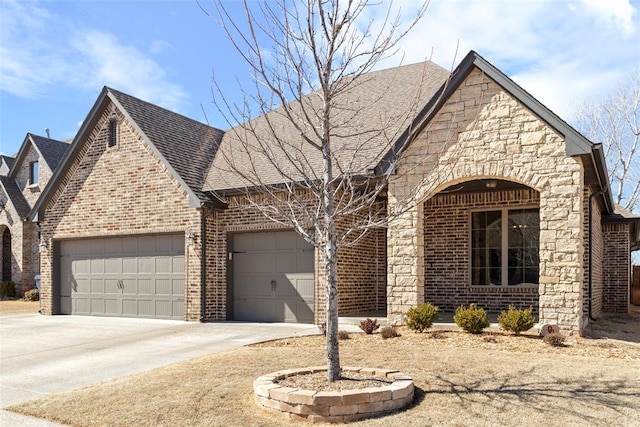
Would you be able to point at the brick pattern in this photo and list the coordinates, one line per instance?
(361, 267)
(483, 132)
(617, 268)
(333, 406)
(597, 258)
(447, 253)
(121, 190)
(25, 258)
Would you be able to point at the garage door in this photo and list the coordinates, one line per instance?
(127, 276)
(273, 279)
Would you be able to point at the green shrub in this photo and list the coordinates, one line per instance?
(8, 289)
(472, 319)
(32, 295)
(422, 317)
(554, 340)
(389, 332)
(343, 335)
(515, 320)
(369, 326)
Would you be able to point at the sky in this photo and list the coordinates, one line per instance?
(55, 56)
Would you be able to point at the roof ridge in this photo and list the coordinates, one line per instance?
(117, 92)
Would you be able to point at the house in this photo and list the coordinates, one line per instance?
(23, 179)
(510, 205)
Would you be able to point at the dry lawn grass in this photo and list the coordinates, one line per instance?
(489, 379)
(11, 307)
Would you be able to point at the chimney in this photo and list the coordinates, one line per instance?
(47, 131)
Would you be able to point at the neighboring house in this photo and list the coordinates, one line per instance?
(142, 219)
(23, 178)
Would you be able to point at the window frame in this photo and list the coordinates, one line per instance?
(34, 172)
(504, 246)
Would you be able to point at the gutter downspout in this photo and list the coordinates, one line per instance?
(591, 197)
(203, 263)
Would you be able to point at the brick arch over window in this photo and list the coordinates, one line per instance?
(481, 245)
(483, 132)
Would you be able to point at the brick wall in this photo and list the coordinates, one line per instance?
(482, 132)
(361, 267)
(447, 252)
(115, 191)
(617, 268)
(597, 254)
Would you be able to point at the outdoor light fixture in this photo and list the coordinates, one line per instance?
(492, 184)
(42, 247)
(190, 237)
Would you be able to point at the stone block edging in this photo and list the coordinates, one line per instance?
(333, 406)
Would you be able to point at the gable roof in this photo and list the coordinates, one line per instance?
(8, 161)
(369, 114)
(51, 151)
(186, 147)
(575, 143)
(15, 196)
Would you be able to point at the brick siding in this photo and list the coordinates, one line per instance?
(617, 268)
(447, 251)
(116, 191)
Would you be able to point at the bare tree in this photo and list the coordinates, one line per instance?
(304, 158)
(615, 122)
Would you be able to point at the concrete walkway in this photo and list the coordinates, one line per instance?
(41, 355)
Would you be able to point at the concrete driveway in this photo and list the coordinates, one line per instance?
(41, 355)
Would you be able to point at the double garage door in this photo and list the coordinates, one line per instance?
(273, 277)
(128, 276)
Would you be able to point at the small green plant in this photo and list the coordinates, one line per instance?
(422, 317)
(343, 335)
(389, 332)
(32, 295)
(8, 289)
(472, 319)
(369, 326)
(515, 320)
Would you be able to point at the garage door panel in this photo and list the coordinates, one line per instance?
(130, 276)
(97, 286)
(285, 263)
(129, 265)
(163, 287)
(164, 264)
(145, 286)
(96, 266)
(283, 258)
(81, 266)
(145, 265)
(178, 265)
(97, 247)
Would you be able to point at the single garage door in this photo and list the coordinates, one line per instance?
(273, 278)
(126, 276)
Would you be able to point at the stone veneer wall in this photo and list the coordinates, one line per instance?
(617, 268)
(596, 253)
(115, 191)
(447, 251)
(361, 267)
(483, 132)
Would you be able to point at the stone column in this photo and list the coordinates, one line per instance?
(405, 263)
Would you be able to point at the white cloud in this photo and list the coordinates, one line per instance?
(562, 52)
(39, 50)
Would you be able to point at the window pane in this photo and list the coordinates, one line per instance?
(486, 249)
(524, 246)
